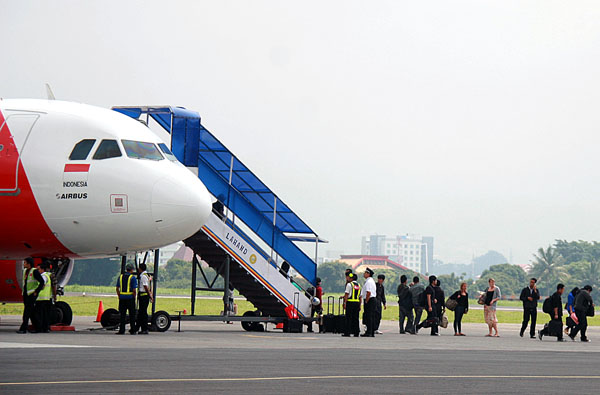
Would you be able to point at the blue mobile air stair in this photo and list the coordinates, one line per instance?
(254, 271)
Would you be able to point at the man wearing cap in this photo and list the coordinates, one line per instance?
(144, 299)
(44, 300)
(33, 283)
(126, 291)
(352, 305)
(369, 295)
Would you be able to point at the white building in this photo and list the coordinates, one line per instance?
(408, 250)
(166, 253)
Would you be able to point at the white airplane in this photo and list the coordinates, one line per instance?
(78, 181)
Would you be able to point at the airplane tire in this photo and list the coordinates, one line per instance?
(161, 321)
(66, 316)
(109, 318)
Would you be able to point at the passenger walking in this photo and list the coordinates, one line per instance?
(352, 300)
(584, 305)
(416, 289)
(144, 299)
(554, 327)
(440, 297)
(529, 296)
(380, 298)
(44, 300)
(318, 309)
(33, 283)
(126, 291)
(571, 321)
(405, 306)
(492, 296)
(432, 319)
(369, 294)
(462, 307)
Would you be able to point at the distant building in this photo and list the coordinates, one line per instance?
(408, 250)
(166, 253)
(359, 263)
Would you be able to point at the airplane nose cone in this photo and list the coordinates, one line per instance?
(179, 209)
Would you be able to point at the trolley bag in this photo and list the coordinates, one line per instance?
(293, 324)
(555, 327)
(340, 318)
(328, 319)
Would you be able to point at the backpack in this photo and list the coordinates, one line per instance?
(423, 299)
(547, 306)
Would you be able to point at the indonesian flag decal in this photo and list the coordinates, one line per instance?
(76, 172)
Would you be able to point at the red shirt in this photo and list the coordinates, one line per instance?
(319, 294)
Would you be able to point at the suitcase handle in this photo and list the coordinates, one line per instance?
(340, 305)
(330, 304)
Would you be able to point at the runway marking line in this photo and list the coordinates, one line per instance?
(234, 379)
(270, 337)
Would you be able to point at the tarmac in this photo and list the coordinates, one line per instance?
(214, 357)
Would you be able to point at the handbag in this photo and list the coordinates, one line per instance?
(451, 304)
(444, 323)
(481, 299)
(590, 310)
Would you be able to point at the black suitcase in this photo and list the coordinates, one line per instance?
(292, 325)
(329, 318)
(340, 318)
(555, 327)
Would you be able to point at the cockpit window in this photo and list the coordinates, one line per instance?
(82, 149)
(141, 150)
(108, 149)
(163, 147)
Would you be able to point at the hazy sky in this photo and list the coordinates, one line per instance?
(475, 122)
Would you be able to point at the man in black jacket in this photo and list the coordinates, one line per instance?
(583, 301)
(380, 297)
(405, 306)
(554, 327)
(530, 296)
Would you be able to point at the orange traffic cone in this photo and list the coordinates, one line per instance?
(100, 312)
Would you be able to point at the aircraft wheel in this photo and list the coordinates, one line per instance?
(161, 321)
(65, 315)
(109, 318)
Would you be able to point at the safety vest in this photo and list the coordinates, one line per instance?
(29, 282)
(142, 289)
(126, 287)
(46, 292)
(355, 296)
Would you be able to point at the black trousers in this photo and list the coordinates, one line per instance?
(29, 313)
(42, 308)
(432, 316)
(127, 305)
(458, 315)
(142, 316)
(529, 313)
(418, 314)
(405, 314)
(369, 316)
(377, 318)
(582, 326)
(352, 318)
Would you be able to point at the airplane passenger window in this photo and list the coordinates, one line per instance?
(108, 149)
(163, 147)
(82, 149)
(141, 150)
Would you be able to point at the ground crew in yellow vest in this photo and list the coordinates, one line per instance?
(352, 301)
(126, 290)
(44, 300)
(144, 298)
(33, 283)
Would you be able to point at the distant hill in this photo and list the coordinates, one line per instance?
(482, 263)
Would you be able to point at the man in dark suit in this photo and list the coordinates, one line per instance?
(529, 296)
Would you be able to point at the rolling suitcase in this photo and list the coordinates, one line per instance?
(328, 319)
(340, 318)
(293, 324)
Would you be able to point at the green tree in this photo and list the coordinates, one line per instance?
(332, 276)
(95, 271)
(548, 268)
